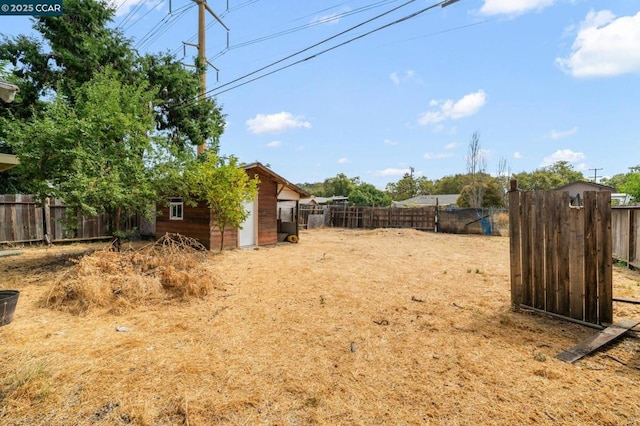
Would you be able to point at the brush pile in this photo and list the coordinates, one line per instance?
(174, 267)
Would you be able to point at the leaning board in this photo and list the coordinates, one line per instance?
(594, 342)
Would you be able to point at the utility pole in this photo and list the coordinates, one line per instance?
(595, 174)
(202, 57)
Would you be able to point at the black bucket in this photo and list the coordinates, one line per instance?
(8, 302)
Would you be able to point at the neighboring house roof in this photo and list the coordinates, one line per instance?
(325, 200)
(428, 200)
(8, 161)
(7, 90)
(283, 184)
(583, 185)
(308, 201)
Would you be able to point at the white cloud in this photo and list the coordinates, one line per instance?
(563, 155)
(300, 148)
(561, 134)
(331, 18)
(449, 110)
(605, 46)
(390, 142)
(513, 7)
(409, 75)
(343, 160)
(390, 172)
(451, 145)
(274, 144)
(517, 155)
(275, 123)
(439, 156)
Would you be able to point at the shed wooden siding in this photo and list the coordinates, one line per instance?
(195, 223)
(267, 209)
(230, 237)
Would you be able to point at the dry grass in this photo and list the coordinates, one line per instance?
(345, 327)
(174, 266)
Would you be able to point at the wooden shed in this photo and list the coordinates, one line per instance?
(263, 227)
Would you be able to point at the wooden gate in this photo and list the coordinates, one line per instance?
(561, 256)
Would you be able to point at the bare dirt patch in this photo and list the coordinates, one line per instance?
(345, 327)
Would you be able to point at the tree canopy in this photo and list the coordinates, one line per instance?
(366, 194)
(89, 152)
(74, 47)
(550, 177)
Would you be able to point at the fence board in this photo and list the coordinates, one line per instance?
(515, 247)
(563, 232)
(576, 263)
(591, 256)
(551, 225)
(605, 273)
(538, 252)
(527, 261)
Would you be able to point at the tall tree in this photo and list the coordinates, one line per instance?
(341, 185)
(77, 45)
(476, 164)
(90, 152)
(409, 186)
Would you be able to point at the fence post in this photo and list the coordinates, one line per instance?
(46, 210)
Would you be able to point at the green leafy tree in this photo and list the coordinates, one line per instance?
(451, 184)
(366, 194)
(72, 48)
(341, 184)
(314, 188)
(90, 152)
(225, 188)
(616, 181)
(409, 186)
(550, 177)
(631, 185)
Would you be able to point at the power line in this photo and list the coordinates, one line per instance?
(413, 15)
(163, 26)
(311, 24)
(330, 49)
(325, 41)
(130, 14)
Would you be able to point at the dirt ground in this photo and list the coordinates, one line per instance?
(345, 327)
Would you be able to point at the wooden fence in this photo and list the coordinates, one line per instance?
(561, 256)
(625, 225)
(442, 219)
(24, 220)
(423, 218)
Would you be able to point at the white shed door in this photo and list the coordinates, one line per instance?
(247, 236)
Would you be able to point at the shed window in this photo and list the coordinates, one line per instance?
(176, 209)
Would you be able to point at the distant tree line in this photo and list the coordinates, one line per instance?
(476, 187)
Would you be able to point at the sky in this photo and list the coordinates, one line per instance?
(373, 89)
